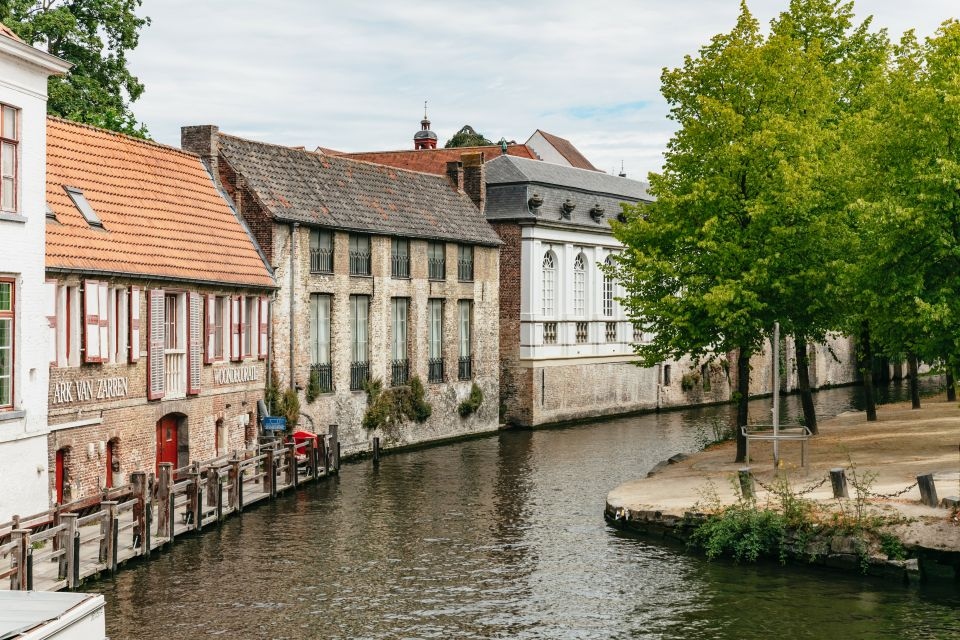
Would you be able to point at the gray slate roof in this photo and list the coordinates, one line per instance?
(512, 181)
(312, 188)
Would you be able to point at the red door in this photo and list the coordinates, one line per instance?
(167, 441)
(60, 476)
(109, 478)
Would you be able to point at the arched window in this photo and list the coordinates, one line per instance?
(608, 289)
(549, 306)
(579, 284)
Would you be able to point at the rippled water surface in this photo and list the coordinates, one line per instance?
(501, 537)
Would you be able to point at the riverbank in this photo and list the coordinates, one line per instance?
(884, 456)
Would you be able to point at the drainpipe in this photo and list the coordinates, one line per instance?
(294, 229)
(659, 378)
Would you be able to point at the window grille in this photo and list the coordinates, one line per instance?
(321, 251)
(322, 376)
(399, 372)
(579, 284)
(436, 261)
(465, 263)
(359, 255)
(400, 258)
(549, 284)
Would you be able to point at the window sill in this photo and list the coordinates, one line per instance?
(6, 216)
(7, 414)
(361, 275)
(321, 273)
(396, 277)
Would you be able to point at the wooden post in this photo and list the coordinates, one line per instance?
(269, 474)
(213, 486)
(334, 447)
(322, 456)
(195, 501)
(311, 452)
(138, 479)
(18, 582)
(233, 478)
(219, 503)
(147, 522)
(746, 483)
(108, 521)
(376, 452)
(928, 490)
(72, 559)
(164, 501)
(293, 476)
(838, 479)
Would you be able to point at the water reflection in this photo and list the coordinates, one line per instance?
(498, 537)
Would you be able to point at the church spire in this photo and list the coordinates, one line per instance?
(425, 138)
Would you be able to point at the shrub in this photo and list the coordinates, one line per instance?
(690, 380)
(472, 403)
(390, 407)
(289, 408)
(313, 386)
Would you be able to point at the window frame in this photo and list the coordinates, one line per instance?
(608, 290)
(436, 260)
(316, 357)
(580, 285)
(10, 315)
(358, 256)
(319, 262)
(465, 265)
(548, 284)
(400, 261)
(14, 142)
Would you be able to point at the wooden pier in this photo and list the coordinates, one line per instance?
(59, 548)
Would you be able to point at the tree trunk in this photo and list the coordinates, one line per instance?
(803, 381)
(914, 382)
(951, 386)
(743, 400)
(866, 369)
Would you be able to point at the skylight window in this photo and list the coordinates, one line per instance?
(83, 206)
(51, 214)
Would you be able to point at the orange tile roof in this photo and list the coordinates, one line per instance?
(7, 31)
(434, 160)
(161, 213)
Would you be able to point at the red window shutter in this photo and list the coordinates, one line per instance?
(210, 326)
(194, 343)
(134, 345)
(156, 370)
(104, 319)
(50, 302)
(235, 306)
(91, 321)
(264, 318)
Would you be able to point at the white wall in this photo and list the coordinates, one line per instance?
(546, 151)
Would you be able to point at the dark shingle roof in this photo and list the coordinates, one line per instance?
(333, 191)
(509, 169)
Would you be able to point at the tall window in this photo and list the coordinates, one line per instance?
(608, 289)
(579, 284)
(9, 137)
(400, 258)
(435, 339)
(221, 310)
(465, 369)
(7, 306)
(321, 251)
(321, 371)
(400, 368)
(359, 255)
(117, 326)
(175, 344)
(359, 326)
(436, 261)
(549, 306)
(251, 332)
(465, 263)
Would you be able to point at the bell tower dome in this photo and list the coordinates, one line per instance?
(425, 139)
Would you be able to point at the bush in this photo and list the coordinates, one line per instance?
(313, 386)
(690, 380)
(387, 408)
(472, 403)
(289, 408)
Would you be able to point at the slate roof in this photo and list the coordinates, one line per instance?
(334, 191)
(565, 148)
(435, 160)
(162, 214)
(511, 182)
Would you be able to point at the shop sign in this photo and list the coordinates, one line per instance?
(86, 390)
(235, 375)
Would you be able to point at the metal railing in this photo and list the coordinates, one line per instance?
(437, 268)
(359, 374)
(400, 266)
(435, 373)
(359, 263)
(465, 368)
(399, 372)
(322, 376)
(321, 260)
(465, 270)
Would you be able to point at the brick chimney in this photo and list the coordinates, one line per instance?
(203, 140)
(474, 179)
(455, 173)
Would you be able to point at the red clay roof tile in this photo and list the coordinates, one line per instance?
(433, 160)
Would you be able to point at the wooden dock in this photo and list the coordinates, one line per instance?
(59, 548)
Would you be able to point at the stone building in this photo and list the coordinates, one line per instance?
(384, 274)
(158, 303)
(23, 349)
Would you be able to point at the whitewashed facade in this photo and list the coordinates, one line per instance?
(24, 352)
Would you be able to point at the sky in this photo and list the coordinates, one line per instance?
(353, 75)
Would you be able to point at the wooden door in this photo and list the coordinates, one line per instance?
(167, 441)
(60, 475)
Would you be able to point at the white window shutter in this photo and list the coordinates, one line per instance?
(244, 326)
(210, 327)
(235, 306)
(156, 370)
(104, 307)
(134, 324)
(194, 343)
(264, 320)
(50, 302)
(91, 321)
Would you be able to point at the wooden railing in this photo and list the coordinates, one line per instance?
(60, 547)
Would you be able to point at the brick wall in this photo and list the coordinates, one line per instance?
(515, 382)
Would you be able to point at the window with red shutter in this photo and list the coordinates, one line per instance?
(264, 329)
(210, 330)
(235, 319)
(194, 343)
(156, 370)
(134, 324)
(91, 321)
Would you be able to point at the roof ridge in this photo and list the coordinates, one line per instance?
(448, 149)
(124, 136)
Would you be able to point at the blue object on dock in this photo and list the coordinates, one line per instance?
(274, 424)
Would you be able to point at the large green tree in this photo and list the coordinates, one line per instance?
(94, 35)
(467, 137)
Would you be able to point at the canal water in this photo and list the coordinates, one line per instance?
(500, 537)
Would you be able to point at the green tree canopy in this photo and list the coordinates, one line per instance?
(466, 137)
(94, 35)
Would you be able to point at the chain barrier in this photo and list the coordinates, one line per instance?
(772, 489)
(895, 494)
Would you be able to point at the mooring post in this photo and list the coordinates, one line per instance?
(292, 474)
(323, 456)
(138, 480)
(213, 485)
(746, 482)
(269, 474)
(376, 451)
(838, 479)
(928, 490)
(108, 519)
(233, 477)
(165, 500)
(311, 452)
(72, 560)
(333, 430)
(18, 581)
(195, 500)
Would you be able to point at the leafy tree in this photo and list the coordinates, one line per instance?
(466, 137)
(94, 35)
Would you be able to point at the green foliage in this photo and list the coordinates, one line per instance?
(892, 546)
(472, 403)
(388, 408)
(94, 35)
(690, 381)
(313, 386)
(271, 394)
(289, 407)
(742, 532)
(467, 137)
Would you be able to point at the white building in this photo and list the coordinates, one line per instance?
(24, 348)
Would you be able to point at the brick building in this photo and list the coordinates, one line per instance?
(384, 274)
(158, 304)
